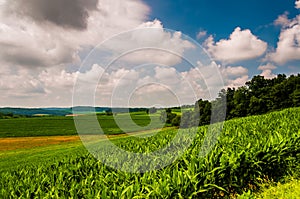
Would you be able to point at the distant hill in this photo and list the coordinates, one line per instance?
(64, 111)
(37, 111)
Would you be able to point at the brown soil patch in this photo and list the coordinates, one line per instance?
(31, 142)
(7, 144)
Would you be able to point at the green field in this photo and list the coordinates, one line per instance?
(250, 152)
(54, 126)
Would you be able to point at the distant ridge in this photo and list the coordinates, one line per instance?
(37, 111)
(65, 111)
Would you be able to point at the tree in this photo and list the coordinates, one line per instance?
(258, 96)
(152, 110)
(240, 102)
(203, 110)
(295, 96)
(176, 121)
(256, 106)
(167, 116)
(108, 112)
(256, 83)
(188, 119)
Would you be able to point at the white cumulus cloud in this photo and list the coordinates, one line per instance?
(267, 70)
(268, 66)
(241, 45)
(234, 76)
(297, 4)
(201, 34)
(235, 71)
(288, 46)
(268, 74)
(282, 20)
(34, 40)
(42, 51)
(150, 43)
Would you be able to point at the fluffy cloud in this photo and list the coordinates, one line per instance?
(164, 86)
(41, 51)
(150, 43)
(40, 45)
(297, 4)
(201, 77)
(267, 70)
(282, 20)
(207, 81)
(241, 45)
(235, 71)
(14, 81)
(238, 82)
(58, 12)
(154, 85)
(53, 79)
(161, 86)
(150, 85)
(267, 74)
(201, 34)
(288, 46)
(33, 88)
(38, 35)
(268, 66)
(235, 76)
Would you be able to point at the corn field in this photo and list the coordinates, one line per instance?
(249, 151)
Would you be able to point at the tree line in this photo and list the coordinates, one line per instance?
(11, 115)
(257, 96)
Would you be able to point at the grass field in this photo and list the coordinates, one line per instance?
(55, 126)
(250, 152)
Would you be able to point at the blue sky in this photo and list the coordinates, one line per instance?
(220, 18)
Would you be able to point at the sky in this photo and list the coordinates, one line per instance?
(62, 53)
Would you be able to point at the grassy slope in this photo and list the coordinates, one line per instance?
(12, 160)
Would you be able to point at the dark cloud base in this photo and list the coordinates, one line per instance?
(66, 13)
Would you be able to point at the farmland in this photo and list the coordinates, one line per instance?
(250, 151)
(62, 126)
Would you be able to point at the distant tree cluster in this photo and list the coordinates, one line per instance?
(10, 116)
(262, 95)
(167, 116)
(151, 110)
(258, 96)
